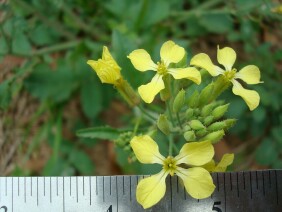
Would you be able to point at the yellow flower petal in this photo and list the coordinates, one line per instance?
(188, 73)
(226, 57)
(150, 90)
(225, 161)
(141, 60)
(250, 97)
(146, 149)
(250, 74)
(107, 57)
(195, 153)
(171, 53)
(197, 181)
(203, 61)
(106, 71)
(151, 189)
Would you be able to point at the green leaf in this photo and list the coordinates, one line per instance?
(91, 97)
(266, 153)
(4, 49)
(217, 23)
(106, 133)
(20, 43)
(45, 83)
(82, 162)
(42, 35)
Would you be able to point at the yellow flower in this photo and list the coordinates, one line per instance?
(170, 53)
(197, 181)
(226, 57)
(106, 68)
(225, 161)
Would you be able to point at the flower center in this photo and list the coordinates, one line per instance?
(170, 165)
(161, 69)
(229, 75)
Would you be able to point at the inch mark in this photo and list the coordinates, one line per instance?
(96, 178)
(30, 186)
(237, 184)
(64, 194)
(76, 190)
(217, 181)
(50, 189)
(37, 201)
(230, 178)
(277, 195)
(257, 179)
(83, 185)
(90, 189)
(123, 184)
(12, 194)
(103, 189)
(269, 178)
(170, 185)
(130, 188)
(244, 181)
(6, 186)
(224, 189)
(110, 185)
(177, 185)
(44, 185)
(57, 185)
(25, 190)
(70, 186)
(263, 184)
(18, 186)
(117, 192)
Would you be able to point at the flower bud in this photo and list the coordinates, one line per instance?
(215, 136)
(163, 124)
(229, 123)
(193, 101)
(179, 101)
(208, 120)
(201, 132)
(196, 125)
(207, 109)
(217, 126)
(219, 111)
(189, 113)
(186, 127)
(189, 136)
(206, 94)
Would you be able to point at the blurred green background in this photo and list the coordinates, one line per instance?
(48, 92)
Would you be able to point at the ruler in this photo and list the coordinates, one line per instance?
(235, 191)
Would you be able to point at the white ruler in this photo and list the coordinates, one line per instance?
(236, 191)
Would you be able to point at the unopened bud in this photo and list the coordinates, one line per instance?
(189, 113)
(214, 137)
(207, 109)
(179, 101)
(206, 94)
(217, 126)
(196, 125)
(193, 101)
(208, 120)
(201, 132)
(189, 136)
(163, 124)
(219, 111)
(229, 123)
(186, 128)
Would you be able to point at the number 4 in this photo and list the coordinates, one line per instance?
(215, 208)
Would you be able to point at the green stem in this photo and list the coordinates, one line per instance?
(178, 120)
(171, 144)
(143, 110)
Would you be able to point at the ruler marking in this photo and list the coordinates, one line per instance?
(18, 186)
(269, 178)
(96, 185)
(70, 186)
(0, 188)
(103, 189)
(44, 185)
(37, 200)
(244, 180)
(76, 190)
(117, 192)
(230, 177)
(83, 185)
(110, 185)
(251, 185)
(184, 192)
(177, 184)
(50, 190)
(123, 185)
(217, 182)
(30, 186)
(170, 185)
(90, 189)
(263, 184)
(12, 194)
(130, 188)
(257, 179)
(57, 185)
(237, 184)
(6, 185)
(64, 194)
(25, 190)
(224, 190)
(277, 195)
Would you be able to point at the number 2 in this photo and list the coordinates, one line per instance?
(215, 208)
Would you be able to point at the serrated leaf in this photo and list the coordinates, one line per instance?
(106, 133)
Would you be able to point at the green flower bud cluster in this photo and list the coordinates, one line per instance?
(123, 141)
(206, 123)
